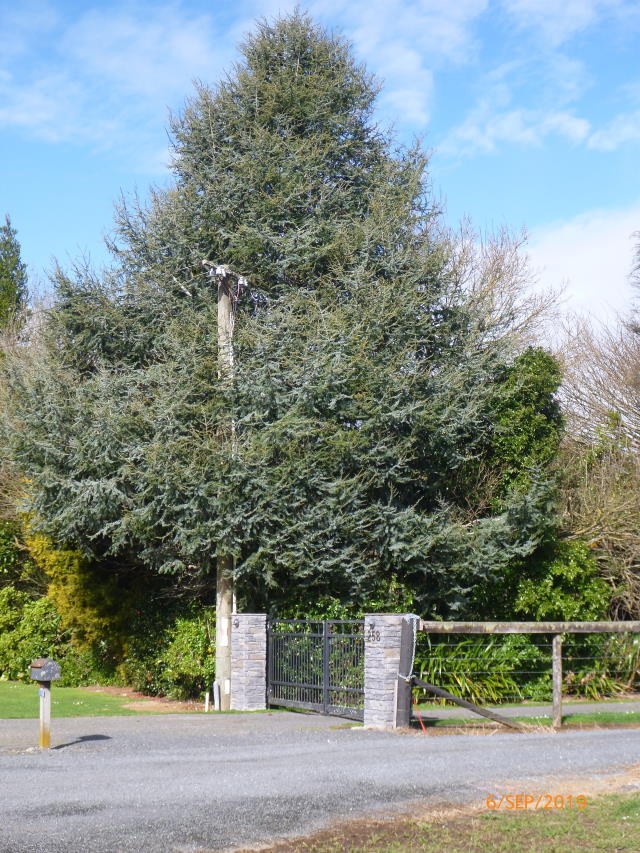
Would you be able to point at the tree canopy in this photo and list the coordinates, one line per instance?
(380, 383)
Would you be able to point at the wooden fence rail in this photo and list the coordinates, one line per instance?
(528, 627)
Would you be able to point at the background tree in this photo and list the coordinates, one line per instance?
(601, 491)
(13, 275)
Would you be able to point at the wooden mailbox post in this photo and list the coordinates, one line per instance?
(44, 671)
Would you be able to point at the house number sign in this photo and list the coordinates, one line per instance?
(373, 636)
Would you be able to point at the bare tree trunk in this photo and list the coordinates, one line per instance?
(224, 606)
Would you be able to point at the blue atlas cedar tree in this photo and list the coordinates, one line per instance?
(370, 385)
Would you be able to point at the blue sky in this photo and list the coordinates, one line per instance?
(531, 108)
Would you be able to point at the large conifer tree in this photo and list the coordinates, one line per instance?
(354, 443)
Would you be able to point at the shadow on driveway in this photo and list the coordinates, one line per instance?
(82, 739)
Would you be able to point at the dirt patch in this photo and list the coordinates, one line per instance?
(140, 702)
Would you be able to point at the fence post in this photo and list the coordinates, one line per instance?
(388, 652)
(248, 661)
(556, 648)
(326, 669)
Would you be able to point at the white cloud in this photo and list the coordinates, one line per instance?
(558, 21)
(522, 102)
(400, 65)
(622, 129)
(484, 129)
(565, 124)
(153, 56)
(592, 256)
(402, 42)
(54, 107)
(108, 75)
(21, 23)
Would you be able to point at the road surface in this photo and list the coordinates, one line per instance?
(185, 783)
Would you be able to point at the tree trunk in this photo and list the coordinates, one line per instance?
(224, 567)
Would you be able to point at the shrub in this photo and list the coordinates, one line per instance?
(32, 630)
(12, 603)
(565, 586)
(189, 659)
(17, 569)
(477, 669)
(176, 658)
(88, 598)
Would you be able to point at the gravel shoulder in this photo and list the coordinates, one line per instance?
(178, 782)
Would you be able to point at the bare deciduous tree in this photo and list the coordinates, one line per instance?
(602, 452)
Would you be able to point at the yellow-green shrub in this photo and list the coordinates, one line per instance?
(85, 594)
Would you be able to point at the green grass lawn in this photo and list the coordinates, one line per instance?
(20, 702)
(605, 825)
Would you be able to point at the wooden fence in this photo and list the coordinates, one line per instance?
(556, 629)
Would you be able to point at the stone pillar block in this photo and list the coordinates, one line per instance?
(248, 661)
(388, 653)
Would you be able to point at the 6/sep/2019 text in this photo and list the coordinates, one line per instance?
(511, 802)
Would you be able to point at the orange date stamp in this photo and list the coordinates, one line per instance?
(518, 802)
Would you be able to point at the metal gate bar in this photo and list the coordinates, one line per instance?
(317, 665)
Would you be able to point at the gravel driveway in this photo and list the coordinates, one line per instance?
(178, 783)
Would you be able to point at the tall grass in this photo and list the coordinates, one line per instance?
(516, 667)
(474, 669)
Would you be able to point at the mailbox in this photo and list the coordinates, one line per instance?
(44, 669)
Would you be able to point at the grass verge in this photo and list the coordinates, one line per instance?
(20, 702)
(567, 702)
(610, 824)
(605, 718)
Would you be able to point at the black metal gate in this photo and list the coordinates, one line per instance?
(318, 665)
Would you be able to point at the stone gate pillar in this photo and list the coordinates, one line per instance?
(389, 644)
(248, 661)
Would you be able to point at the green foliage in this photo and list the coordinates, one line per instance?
(16, 566)
(275, 168)
(516, 667)
(12, 602)
(11, 557)
(176, 658)
(560, 582)
(626, 651)
(593, 676)
(478, 669)
(31, 629)
(566, 587)
(89, 600)
(389, 596)
(13, 275)
(527, 416)
(89, 623)
(189, 659)
(166, 654)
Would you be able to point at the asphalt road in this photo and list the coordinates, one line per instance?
(186, 783)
